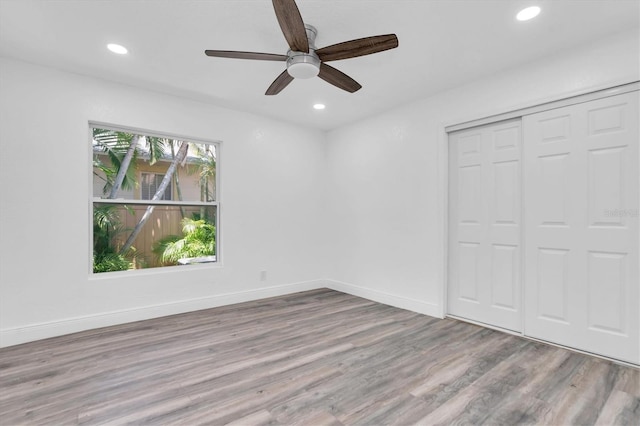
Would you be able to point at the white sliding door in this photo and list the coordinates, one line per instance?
(484, 228)
(581, 226)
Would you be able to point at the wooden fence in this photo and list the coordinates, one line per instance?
(164, 221)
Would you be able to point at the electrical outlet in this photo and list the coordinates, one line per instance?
(263, 275)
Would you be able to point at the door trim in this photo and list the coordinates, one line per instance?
(572, 100)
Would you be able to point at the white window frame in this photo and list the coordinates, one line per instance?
(97, 200)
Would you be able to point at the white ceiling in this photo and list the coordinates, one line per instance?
(443, 44)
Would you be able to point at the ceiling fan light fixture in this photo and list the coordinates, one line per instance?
(303, 70)
(303, 65)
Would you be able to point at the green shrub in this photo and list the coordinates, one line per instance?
(109, 262)
(199, 239)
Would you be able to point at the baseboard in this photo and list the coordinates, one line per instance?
(32, 332)
(29, 333)
(419, 306)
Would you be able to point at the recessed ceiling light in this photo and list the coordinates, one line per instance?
(116, 48)
(528, 13)
(319, 106)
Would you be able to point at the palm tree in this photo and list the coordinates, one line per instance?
(123, 151)
(207, 167)
(176, 177)
(166, 180)
(124, 166)
(120, 148)
(207, 175)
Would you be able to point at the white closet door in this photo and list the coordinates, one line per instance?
(581, 226)
(484, 229)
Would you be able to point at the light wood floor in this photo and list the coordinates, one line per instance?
(312, 358)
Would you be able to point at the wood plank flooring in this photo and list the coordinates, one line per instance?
(313, 358)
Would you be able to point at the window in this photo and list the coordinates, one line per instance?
(150, 183)
(154, 201)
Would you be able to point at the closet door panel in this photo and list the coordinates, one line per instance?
(484, 245)
(581, 226)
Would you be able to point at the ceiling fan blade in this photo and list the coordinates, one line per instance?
(279, 83)
(359, 47)
(338, 78)
(246, 55)
(291, 24)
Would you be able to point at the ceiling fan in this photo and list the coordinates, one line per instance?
(303, 59)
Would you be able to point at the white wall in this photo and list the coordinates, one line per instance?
(272, 187)
(387, 174)
(364, 205)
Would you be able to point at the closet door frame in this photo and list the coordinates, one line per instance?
(567, 100)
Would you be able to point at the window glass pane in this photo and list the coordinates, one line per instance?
(140, 236)
(132, 167)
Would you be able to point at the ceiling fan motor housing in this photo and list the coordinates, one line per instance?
(301, 64)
